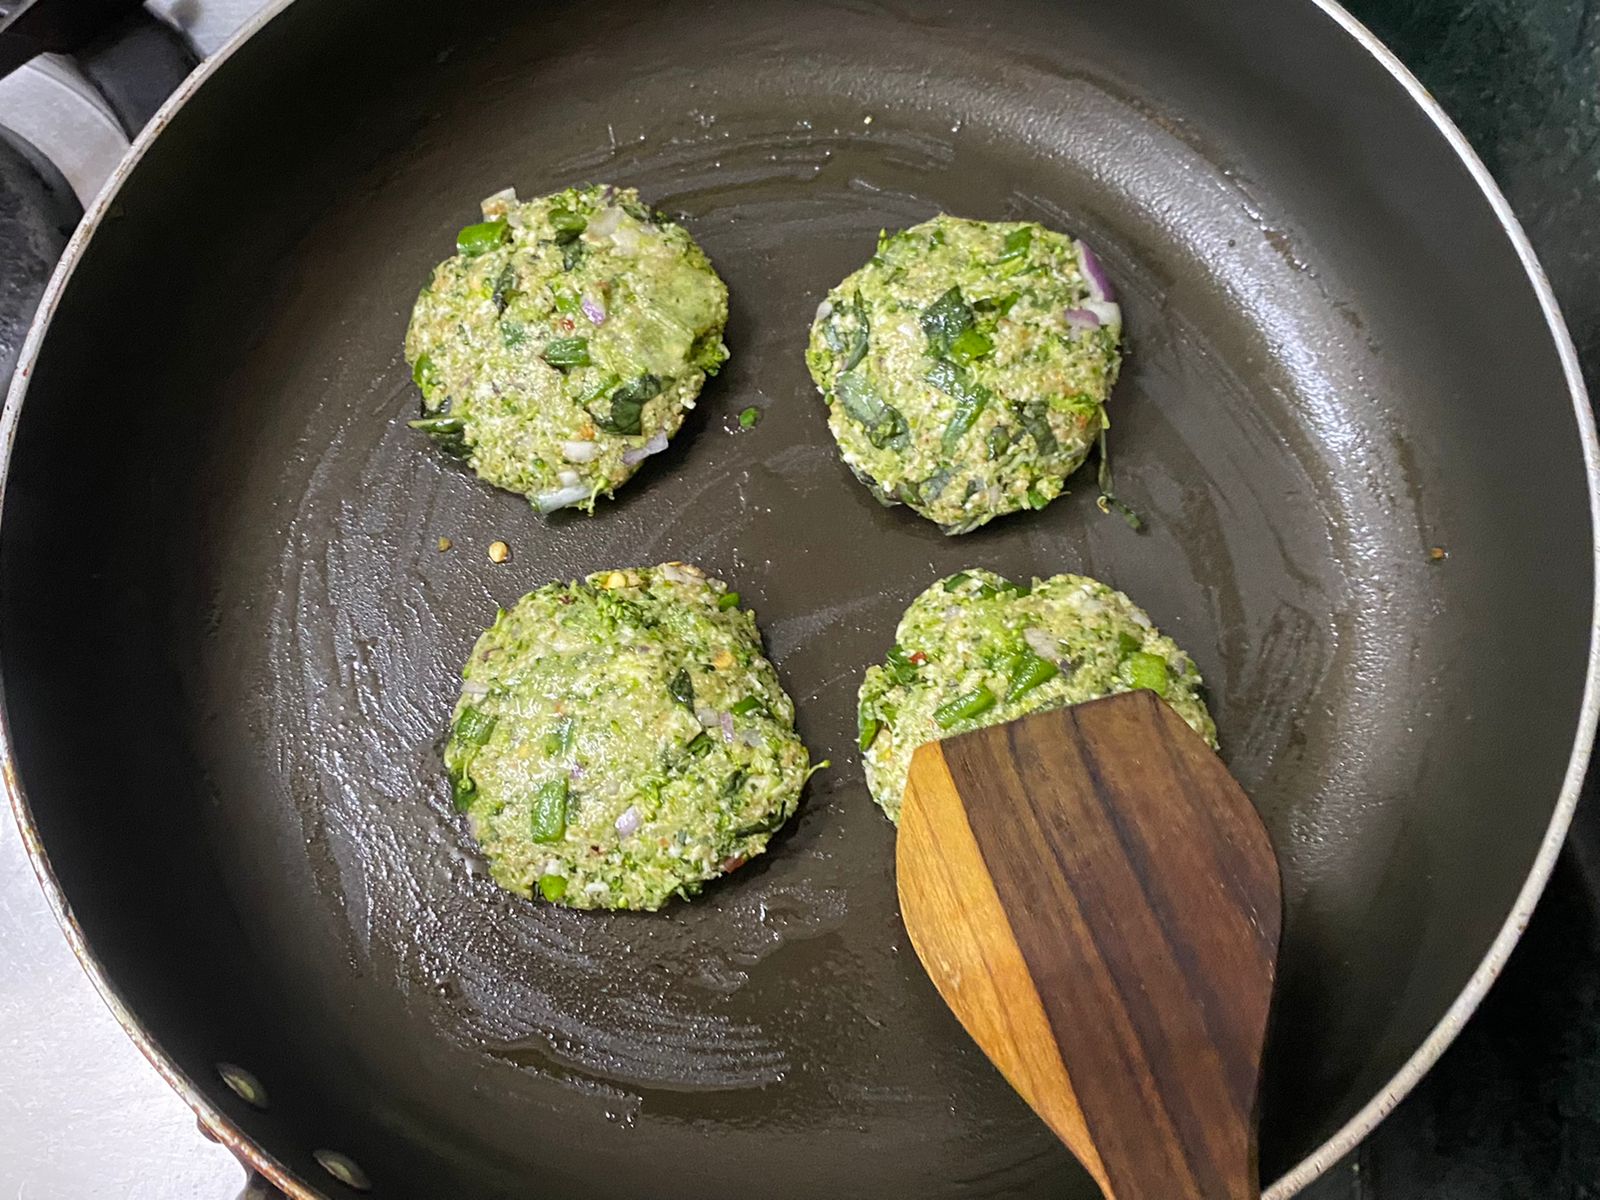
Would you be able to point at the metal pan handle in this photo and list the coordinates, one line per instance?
(133, 59)
(55, 27)
(259, 1187)
(256, 1185)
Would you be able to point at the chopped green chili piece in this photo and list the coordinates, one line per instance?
(462, 789)
(728, 600)
(439, 426)
(422, 373)
(964, 708)
(474, 726)
(1148, 670)
(748, 705)
(549, 814)
(867, 730)
(698, 744)
(552, 887)
(956, 581)
(750, 417)
(682, 688)
(482, 237)
(567, 352)
(559, 740)
(1028, 672)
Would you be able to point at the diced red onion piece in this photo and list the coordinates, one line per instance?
(605, 223)
(548, 502)
(594, 309)
(681, 573)
(580, 451)
(474, 687)
(1082, 318)
(628, 823)
(497, 204)
(1108, 312)
(726, 721)
(1042, 643)
(1099, 284)
(825, 310)
(656, 444)
(568, 477)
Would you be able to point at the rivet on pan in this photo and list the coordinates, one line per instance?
(243, 1084)
(343, 1168)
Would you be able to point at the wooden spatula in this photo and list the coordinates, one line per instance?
(1097, 901)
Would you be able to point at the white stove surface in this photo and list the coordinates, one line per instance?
(83, 1116)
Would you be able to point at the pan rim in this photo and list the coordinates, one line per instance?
(1314, 1164)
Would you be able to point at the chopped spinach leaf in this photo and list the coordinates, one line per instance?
(945, 320)
(567, 223)
(566, 353)
(855, 347)
(971, 345)
(505, 287)
(883, 422)
(899, 666)
(682, 688)
(1108, 501)
(970, 396)
(627, 405)
(1146, 670)
(1035, 419)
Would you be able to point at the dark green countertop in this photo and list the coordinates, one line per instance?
(1512, 1111)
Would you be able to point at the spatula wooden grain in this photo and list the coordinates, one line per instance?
(1099, 904)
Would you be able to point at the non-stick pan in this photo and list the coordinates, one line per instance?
(1350, 416)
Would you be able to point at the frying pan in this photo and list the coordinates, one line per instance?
(229, 641)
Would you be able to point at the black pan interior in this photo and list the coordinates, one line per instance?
(229, 640)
